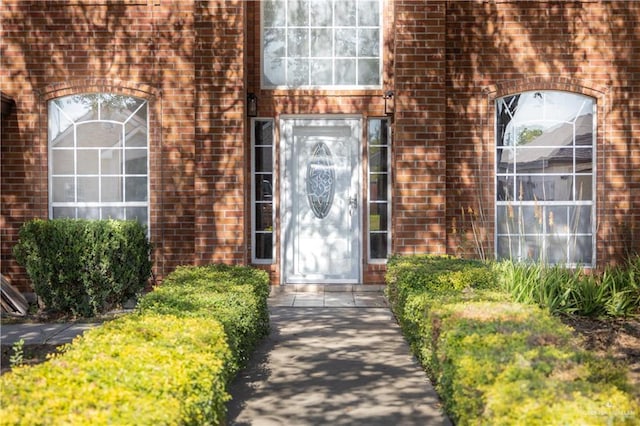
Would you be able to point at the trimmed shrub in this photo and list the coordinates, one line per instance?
(83, 267)
(498, 362)
(168, 363)
(235, 295)
(140, 369)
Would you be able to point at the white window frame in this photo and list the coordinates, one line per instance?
(380, 57)
(388, 145)
(98, 204)
(516, 204)
(254, 202)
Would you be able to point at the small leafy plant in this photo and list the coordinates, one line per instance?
(17, 357)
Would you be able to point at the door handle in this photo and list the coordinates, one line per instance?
(353, 205)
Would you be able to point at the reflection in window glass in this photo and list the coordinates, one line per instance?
(328, 43)
(379, 205)
(262, 195)
(544, 177)
(98, 157)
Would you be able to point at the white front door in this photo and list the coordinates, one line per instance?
(320, 170)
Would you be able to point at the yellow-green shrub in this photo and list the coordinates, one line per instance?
(498, 362)
(168, 363)
(138, 369)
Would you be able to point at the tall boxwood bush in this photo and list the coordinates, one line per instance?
(84, 266)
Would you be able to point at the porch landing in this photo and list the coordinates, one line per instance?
(328, 296)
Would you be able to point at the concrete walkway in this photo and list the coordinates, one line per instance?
(43, 333)
(333, 358)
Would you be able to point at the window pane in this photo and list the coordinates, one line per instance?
(558, 220)
(368, 42)
(345, 14)
(298, 40)
(345, 42)
(557, 248)
(111, 189)
(110, 161)
(378, 159)
(113, 213)
(274, 13)
(117, 107)
(581, 220)
(88, 161)
(264, 217)
(378, 243)
(378, 187)
(298, 72)
(322, 70)
(137, 213)
(263, 159)
(88, 213)
(62, 162)
(505, 160)
(64, 189)
(264, 187)
(581, 250)
(99, 134)
(136, 161)
(88, 189)
(298, 13)
(263, 132)
(60, 126)
(136, 189)
(368, 72)
(64, 212)
(368, 14)
(378, 220)
(504, 188)
(345, 71)
(136, 132)
(264, 246)
(321, 13)
(321, 42)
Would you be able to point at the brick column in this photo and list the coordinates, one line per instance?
(220, 104)
(419, 224)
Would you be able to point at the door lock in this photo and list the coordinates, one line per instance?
(353, 205)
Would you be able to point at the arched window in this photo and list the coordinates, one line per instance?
(545, 177)
(98, 157)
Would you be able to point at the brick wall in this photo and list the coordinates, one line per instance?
(503, 47)
(419, 139)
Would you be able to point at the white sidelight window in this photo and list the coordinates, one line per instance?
(379, 208)
(98, 157)
(545, 142)
(262, 217)
(321, 43)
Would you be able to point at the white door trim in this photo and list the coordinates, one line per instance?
(286, 193)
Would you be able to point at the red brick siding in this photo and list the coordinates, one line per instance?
(419, 139)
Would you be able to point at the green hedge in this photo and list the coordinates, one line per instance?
(498, 362)
(168, 363)
(84, 267)
(237, 296)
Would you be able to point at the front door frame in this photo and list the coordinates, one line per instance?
(282, 147)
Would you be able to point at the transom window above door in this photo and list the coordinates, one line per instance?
(331, 44)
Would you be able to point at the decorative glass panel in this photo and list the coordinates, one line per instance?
(296, 34)
(544, 181)
(321, 180)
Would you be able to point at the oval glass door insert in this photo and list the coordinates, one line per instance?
(321, 180)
